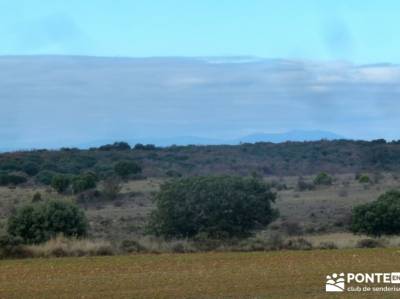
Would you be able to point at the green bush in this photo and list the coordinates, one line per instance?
(60, 182)
(380, 217)
(127, 168)
(217, 207)
(140, 146)
(30, 168)
(41, 221)
(37, 197)
(45, 177)
(11, 179)
(11, 247)
(117, 146)
(323, 179)
(364, 179)
(84, 182)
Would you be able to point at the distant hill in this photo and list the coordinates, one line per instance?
(264, 158)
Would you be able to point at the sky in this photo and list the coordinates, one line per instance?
(228, 69)
(356, 31)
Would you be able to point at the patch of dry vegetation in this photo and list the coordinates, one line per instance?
(62, 246)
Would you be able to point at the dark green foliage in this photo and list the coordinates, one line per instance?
(116, 146)
(30, 168)
(289, 158)
(10, 164)
(11, 179)
(84, 182)
(60, 182)
(11, 247)
(323, 179)
(45, 177)
(37, 197)
(74, 162)
(364, 179)
(38, 222)
(381, 217)
(126, 168)
(140, 146)
(219, 207)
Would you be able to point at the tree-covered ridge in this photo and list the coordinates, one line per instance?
(289, 158)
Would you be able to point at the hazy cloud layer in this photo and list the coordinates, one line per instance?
(51, 101)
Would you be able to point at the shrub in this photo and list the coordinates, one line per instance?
(364, 179)
(379, 217)
(30, 168)
(11, 247)
(327, 245)
(369, 243)
(127, 168)
(130, 246)
(11, 179)
(60, 183)
(37, 197)
(111, 188)
(140, 146)
(61, 246)
(45, 177)
(84, 182)
(117, 146)
(217, 207)
(298, 244)
(303, 186)
(38, 222)
(323, 179)
(292, 228)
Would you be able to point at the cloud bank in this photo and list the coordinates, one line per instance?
(50, 101)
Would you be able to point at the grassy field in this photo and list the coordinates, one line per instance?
(284, 274)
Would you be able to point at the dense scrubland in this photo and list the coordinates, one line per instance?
(127, 196)
(265, 159)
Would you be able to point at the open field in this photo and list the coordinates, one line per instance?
(284, 274)
(324, 210)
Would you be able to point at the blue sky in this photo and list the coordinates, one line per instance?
(355, 31)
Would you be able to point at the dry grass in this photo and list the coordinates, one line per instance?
(348, 240)
(61, 246)
(321, 211)
(281, 274)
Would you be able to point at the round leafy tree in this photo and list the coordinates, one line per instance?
(127, 168)
(38, 222)
(323, 179)
(215, 206)
(60, 182)
(84, 182)
(380, 217)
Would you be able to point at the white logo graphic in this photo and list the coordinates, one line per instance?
(335, 283)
